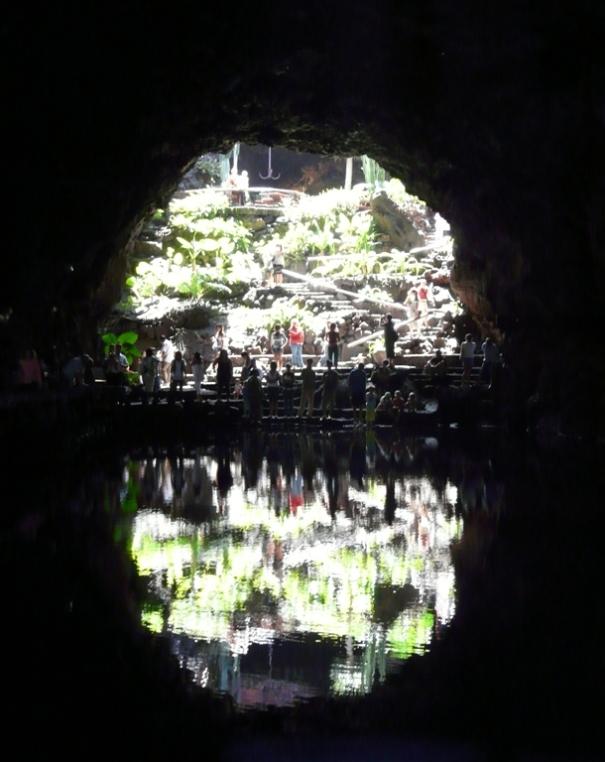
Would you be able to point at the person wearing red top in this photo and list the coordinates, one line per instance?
(296, 338)
(424, 295)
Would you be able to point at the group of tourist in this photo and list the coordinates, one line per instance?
(436, 368)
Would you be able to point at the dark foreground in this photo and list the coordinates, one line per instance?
(516, 673)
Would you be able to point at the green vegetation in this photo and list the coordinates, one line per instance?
(373, 173)
(213, 253)
(128, 340)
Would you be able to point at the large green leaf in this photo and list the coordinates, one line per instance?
(128, 337)
(109, 338)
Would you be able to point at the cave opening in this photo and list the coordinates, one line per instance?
(355, 245)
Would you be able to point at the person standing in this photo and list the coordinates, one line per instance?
(253, 396)
(277, 264)
(423, 299)
(411, 304)
(296, 337)
(273, 381)
(197, 366)
(330, 384)
(278, 342)
(390, 337)
(287, 385)
(381, 378)
(491, 358)
(220, 340)
(307, 394)
(333, 337)
(166, 358)
(149, 371)
(177, 373)
(246, 367)
(357, 390)
(467, 356)
(224, 374)
(122, 359)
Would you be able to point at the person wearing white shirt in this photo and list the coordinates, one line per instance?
(166, 358)
(467, 356)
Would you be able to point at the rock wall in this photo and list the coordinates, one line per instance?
(493, 113)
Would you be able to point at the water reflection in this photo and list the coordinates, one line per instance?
(294, 566)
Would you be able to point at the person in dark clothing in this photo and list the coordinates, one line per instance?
(333, 338)
(390, 337)
(253, 395)
(287, 385)
(381, 378)
(224, 373)
(357, 390)
(329, 393)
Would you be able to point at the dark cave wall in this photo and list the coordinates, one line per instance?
(493, 115)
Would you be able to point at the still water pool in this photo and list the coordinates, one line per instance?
(294, 566)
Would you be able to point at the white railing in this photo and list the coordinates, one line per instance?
(258, 196)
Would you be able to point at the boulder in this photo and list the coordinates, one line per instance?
(392, 222)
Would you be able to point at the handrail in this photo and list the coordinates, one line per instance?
(253, 189)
